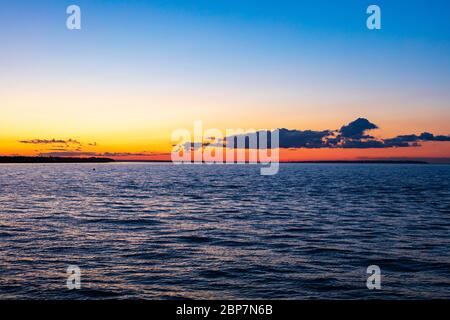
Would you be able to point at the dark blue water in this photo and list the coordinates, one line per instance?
(224, 231)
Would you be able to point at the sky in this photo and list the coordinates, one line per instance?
(138, 70)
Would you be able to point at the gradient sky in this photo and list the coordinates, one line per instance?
(137, 70)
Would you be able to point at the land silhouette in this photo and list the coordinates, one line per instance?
(40, 159)
(23, 159)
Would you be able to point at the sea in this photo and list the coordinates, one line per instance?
(165, 231)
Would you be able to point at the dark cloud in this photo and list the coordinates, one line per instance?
(303, 139)
(288, 139)
(426, 136)
(194, 145)
(414, 140)
(440, 138)
(68, 154)
(361, 144)
(59, 149)
(351, 136)
(357, 129)
(50, 141)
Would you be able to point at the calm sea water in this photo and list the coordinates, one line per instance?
(199, 231)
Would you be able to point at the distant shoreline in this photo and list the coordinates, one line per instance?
(23, 159)
(20, 159)
(331, 161)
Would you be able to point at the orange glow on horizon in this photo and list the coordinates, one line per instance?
(428, 150)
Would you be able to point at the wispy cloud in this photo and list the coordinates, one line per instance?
(60, 147)
(74, 153)
(68, 154)
(132, 154)
(51, 141)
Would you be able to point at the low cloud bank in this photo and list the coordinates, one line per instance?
(354, 135)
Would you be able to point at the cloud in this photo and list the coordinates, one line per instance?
(51, 141)
(357, 129)
(303, 139)
(68, 154)
(132, 154)
(60, 147)
(288, 138)
(412, 138)
(197, 145)
(75, 153)
(354, 135)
